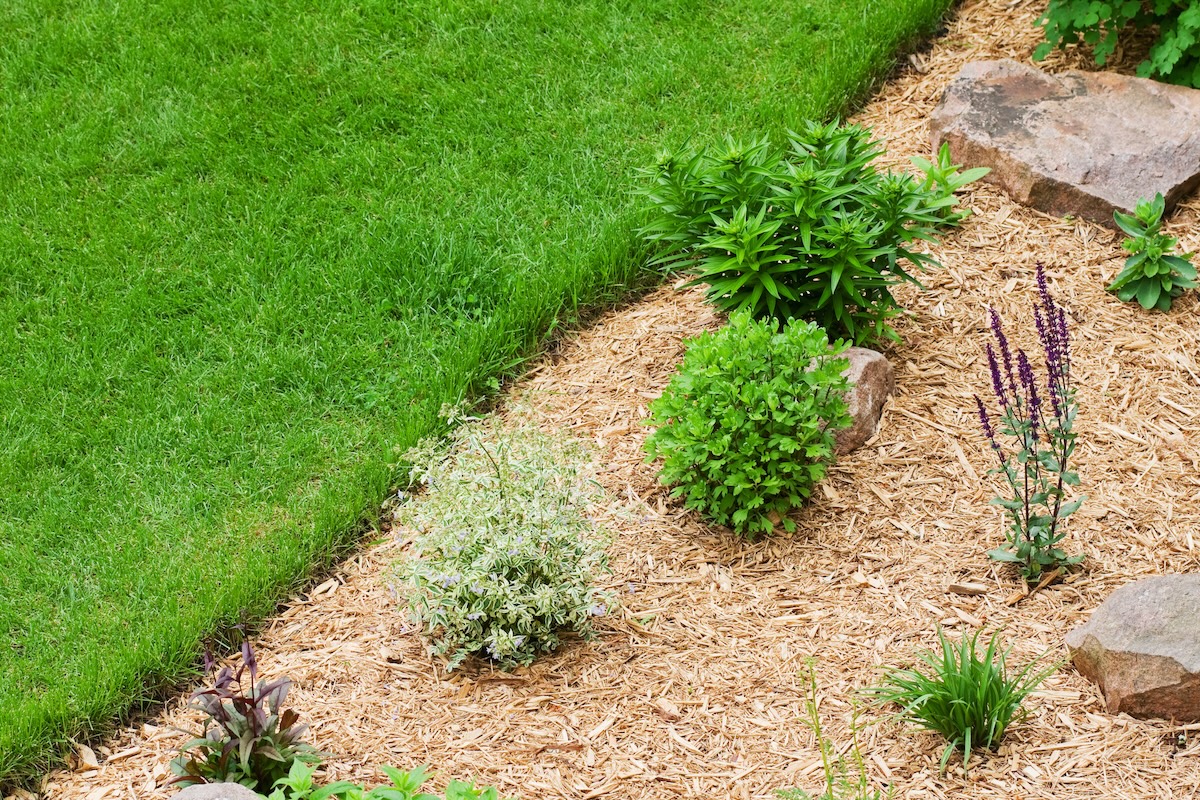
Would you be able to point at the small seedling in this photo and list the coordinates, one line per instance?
(1153, 274)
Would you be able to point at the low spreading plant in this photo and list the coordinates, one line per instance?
(1043, 441)
(745, 429)
(1175, 55)
(247, 736)
(812, 232)
(299, 785)
(1153, 273)
(840, 784)
(968, 697)
(506, 558)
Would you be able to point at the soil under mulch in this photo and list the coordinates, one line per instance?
(695, 688)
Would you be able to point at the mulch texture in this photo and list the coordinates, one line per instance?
(696, 688)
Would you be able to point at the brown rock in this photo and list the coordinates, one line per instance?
(1142, 646)
(1081, 143)
(873, 382)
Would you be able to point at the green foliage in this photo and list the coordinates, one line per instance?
(252, 739)
(1153, 275)
(839, 784)
(967, 696)
(745, 429)
(942, 180)
(506, 557)
(1175, 55)
(815, 232)
(298, 785)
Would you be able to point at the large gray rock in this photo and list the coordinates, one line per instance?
(1142, 646)
(873, 382)
(217, 791)
(1082, 143)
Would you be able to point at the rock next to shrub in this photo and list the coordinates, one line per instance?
(217, 791)
(873, 382)
(1142, 646)
(1077, 143)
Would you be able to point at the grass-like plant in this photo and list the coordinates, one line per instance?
(1154, 274)
(247, 736)
(506, 558)
(810, 232)
(745, 429)
(845, 778)
(1041, 431)
(968, 696)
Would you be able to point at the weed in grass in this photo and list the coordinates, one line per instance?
(968, 697)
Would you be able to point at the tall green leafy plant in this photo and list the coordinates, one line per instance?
(745, 429)
(1175, 55)
(812, 231)
(1154, 274)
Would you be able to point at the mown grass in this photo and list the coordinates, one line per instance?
(250, 248)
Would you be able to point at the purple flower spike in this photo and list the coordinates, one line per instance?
(1005, 353)
(986, 423)
(1030, 385)
(997, 383)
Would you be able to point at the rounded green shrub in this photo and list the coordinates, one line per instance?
(745, 429)
(506, 558)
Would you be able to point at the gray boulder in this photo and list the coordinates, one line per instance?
(217, 791)
(873, 382)
(1142, 646)
(1081, 143)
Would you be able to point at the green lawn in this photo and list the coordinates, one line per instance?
(249, 248)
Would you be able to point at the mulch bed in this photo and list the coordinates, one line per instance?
(695, 688)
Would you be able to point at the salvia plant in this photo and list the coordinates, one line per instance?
(845, 777)
(1174, 56)
(506, 558)
(1038, 424)
(1153, 275)
(745, 429)
(966, 694)
(812, 231)
(298, 784)
(247, 736)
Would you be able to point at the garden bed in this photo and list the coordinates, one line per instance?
(695, 688)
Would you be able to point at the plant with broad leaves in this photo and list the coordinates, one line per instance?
(1153, 274)
(967, 696)
(942, 177)
(810, 232)
(247, 737)
(1043, 434)
(745, 429)
(507, 558)
(839, 783)
(299, 785)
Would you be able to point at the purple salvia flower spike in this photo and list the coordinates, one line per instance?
(1030, 386)
(997, 383)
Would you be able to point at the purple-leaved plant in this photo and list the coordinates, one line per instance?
(1039, 427)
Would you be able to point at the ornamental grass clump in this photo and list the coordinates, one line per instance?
(745, 429)
(506, 558)
(812, 231)
(1039, 427)
(968, 697)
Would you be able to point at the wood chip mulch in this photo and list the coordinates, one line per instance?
(695, 688)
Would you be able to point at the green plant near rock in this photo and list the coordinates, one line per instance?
(1154, 274)
(969, 697)
(745, 429)
(299, 785)
(813, 232)
(1175, 55)
(506, 558)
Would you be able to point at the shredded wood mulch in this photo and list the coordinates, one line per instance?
(695, 688)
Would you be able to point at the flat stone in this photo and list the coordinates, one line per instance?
(1142, 646)
(1078, 143)
(217, 791)
(872, 383)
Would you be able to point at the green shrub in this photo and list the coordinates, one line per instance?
(247, 737)
(506, 555)
(1153, 274)
(968, 698)
(298, 785)
(1175, 55)
(814, 232)
(745, 429)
